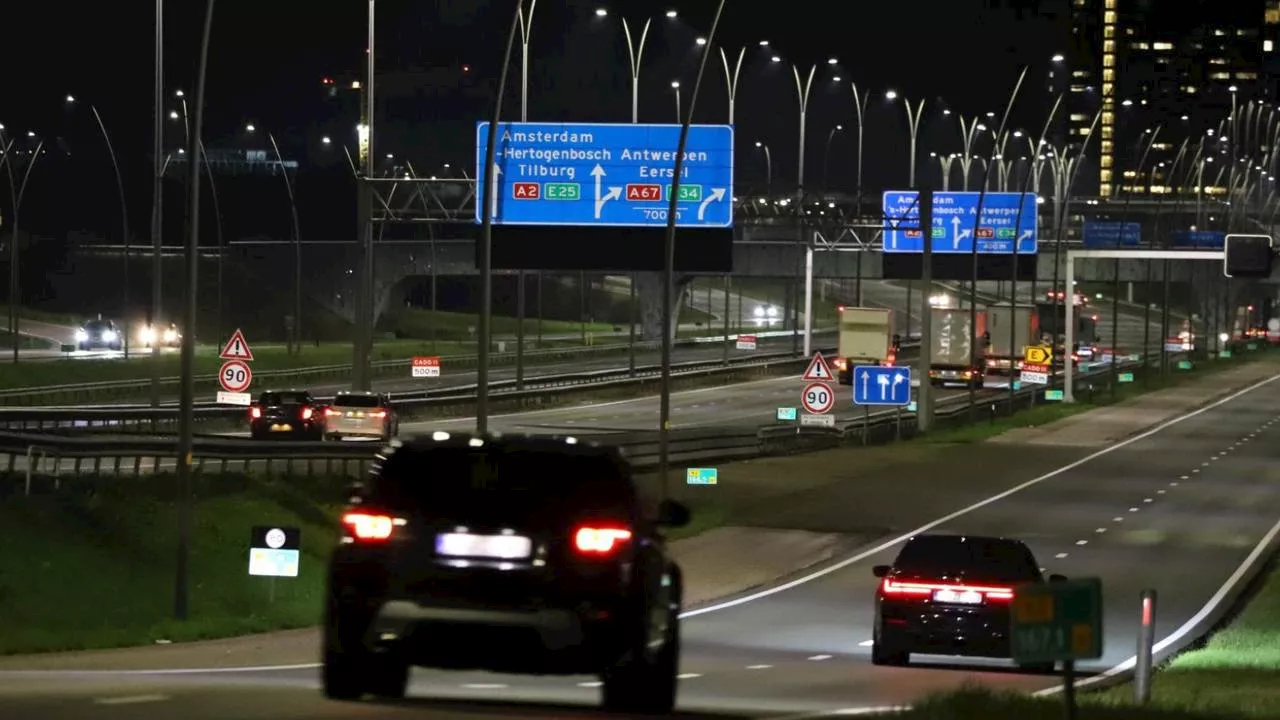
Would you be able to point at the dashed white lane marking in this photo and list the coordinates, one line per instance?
(1161, 492)
(485, 686)
(1147, 500)
(766, 667)
(1082, 542)
(1100, 530)
(688, 676)
(818, 658)
(1194, 471)
(1173, 484)
(1060, 556)
(866, 643)
(1117, 519)
(1184, 477)
(1204, 464)
(1133, 509)
(590, 684)
(131, 700)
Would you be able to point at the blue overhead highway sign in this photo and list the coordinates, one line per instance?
(605, 174)
(881, 385)
(1199, 238)
(1098, 234)
(1007, 218)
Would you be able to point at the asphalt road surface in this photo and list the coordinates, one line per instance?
(1179, 508)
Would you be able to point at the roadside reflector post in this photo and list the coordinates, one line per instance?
(1146, 648)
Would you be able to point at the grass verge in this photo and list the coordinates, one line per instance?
(975, 703)
(92, 565)
(25, 342)
(1050, 411)
(417, 324)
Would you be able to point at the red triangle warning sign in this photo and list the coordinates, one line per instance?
(819, 370)
(237, 348)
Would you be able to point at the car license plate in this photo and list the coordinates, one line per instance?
(948, 373)
(500, 547)
(954, 597)
(281, 428)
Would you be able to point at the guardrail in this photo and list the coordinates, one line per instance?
(39, 457)
(141, 418)
(38, 395)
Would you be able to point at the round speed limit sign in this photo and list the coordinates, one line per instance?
(235, 376)
(817, 398)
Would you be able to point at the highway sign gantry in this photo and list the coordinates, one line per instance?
(605, 174)
(817, 398)
(237, 348)
(818, 370)
(881, 385)
(235, 376)
(1007, 219)
(1100, 234)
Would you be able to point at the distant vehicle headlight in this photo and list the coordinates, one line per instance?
(109, 336)
(170, 335)
(81, 335)
(147, 335)
(772, 311)
(759, 311)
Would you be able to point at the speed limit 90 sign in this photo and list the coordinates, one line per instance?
(235, 376)
(817, 398)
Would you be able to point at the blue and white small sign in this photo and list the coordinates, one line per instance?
(274, 551)
(881, 385)
(1008, 220)
(605, 174)
(702, 476)
(1102, 234)
(1199, 238)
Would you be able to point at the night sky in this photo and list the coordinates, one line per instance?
(268, 60)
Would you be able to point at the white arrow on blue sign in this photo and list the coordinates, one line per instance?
(881, 385)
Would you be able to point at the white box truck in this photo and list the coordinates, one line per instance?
(865, 338)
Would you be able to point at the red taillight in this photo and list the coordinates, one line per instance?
(842, 364)
(893, 357)
(369, 526)
(307, 413)
(255, 412)
(600, 540)
(892, 587)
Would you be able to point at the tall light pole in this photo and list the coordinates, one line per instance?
(803, 88)
(675, 86)
(668, 271)
(157, 200)
(635, 56)
(362, 331)
(296, 336)
(826, 155)
(16, 191)
(525, 21)
(124, 222)
(731, 78)
(913, 129)
(488, 197)
(217, 208)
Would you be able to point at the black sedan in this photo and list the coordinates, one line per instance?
(950, 595)
(292, 414)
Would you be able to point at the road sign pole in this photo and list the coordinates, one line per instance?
(924, 403)
(1069, 325)
(1069, 688)
(728, 285)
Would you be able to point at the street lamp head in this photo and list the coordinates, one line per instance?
(182, 151)
(325, 140)
(933, 154)
(1233, 88)
(675, 84)
(837, 79)
(833, 61)
(1127, 103)
(701, 41)
(179, 93)
(173, 114)
(1057, 58)
(250, 128)
(1186, 117)
(672, 14)
(759, 144)
(775, 59)
(946, 111)
(891, 95)
(764, 43)
(71, 98)
(991, 114)
(1017, 133)
(839, 128)
(31, 133)
(601, 12)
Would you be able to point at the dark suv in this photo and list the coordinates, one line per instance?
(291, 414)
(514, 554)
(950, 595)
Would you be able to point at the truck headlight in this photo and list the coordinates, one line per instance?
(147, 335)
(81, 335)
(109, 336)
(170, 335)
